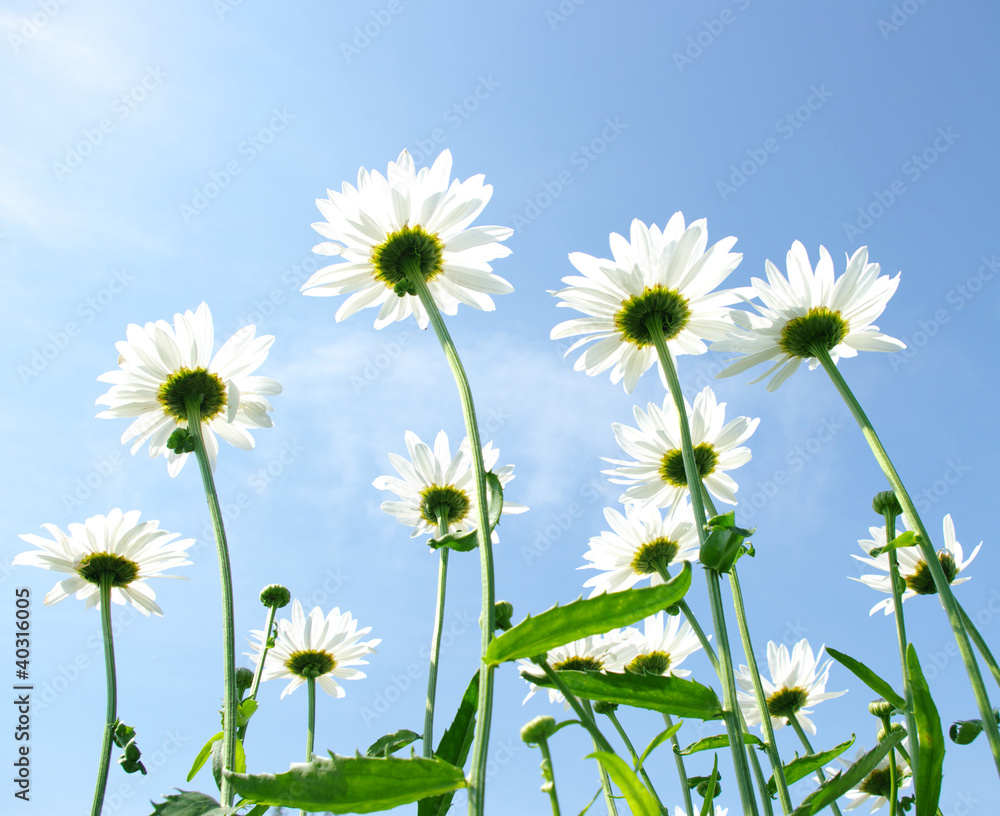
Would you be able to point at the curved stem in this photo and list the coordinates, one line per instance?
(241, 731)
(681, 771)
(582, 709)
(609, 794)
(310, 722)
(980, 644)
(111, 715)
(432, 669)
(794, 721)
(926, 549)
(549, 774)
(228, 623)
(635, 757)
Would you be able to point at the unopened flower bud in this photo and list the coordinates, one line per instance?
(882, 733)
(275, 595)
(602, 707)
(539, 729)
(881, 708)
(503, 612)
(886, 503)
(244, 679)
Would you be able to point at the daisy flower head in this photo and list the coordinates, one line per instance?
(639, 544)
(877, 786)
(117, 546)
(603, 653)
(665, 276)
(657, 475)
(316, 647)
(797, 682)
(389, 223)
(661, 647)
(808, 311)
(913, 569)
(163, 367)
(436, 487)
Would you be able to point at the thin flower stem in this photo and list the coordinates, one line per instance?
(582, 709)
(926, 549)
(241, 730)
(111, 715)
(228, 623)
(609, 794)
(693, 476)
(980, 644)
(484, 713)
(681, 771)
(805, 744)
(550, 783)
(432, 669)
(310, 723)
(893, 782)
(635, 757)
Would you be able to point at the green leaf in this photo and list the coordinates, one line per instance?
(190, 803)
(239, 764)
(869, 678)
(245, 711)
(562, 624)
(658, 740)
(902, 540)
(639, 799)
(964, 732)
(343, 784)
(203, 756)
(124, 737)
(390, 743)
(260, 810)
(594, 799)
(710, 790)
(668, 695)
(927, 784)
(469, 541)
(801, 767)
(454, 746)
(718, 741)
(841, 782)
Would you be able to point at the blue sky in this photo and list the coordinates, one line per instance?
(158, 156)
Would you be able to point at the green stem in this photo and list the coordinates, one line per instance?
(582, 709)
(977, 639)
(794, 721)
(893, 781)
(225, 571)
(550, 777)
(432, 670)
(241, 731)
(609, 794)
(481, 739)
(635, 757)
(926, 549)
(681, 771)
(111, 715)
(310, 723)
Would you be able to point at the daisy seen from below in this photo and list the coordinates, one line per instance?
(656, 476)
(163, 367)
(798, 681)
(315, 647)
(913, 568)
(409, 217)
(604, 653)
(435, 486)
(877, 786)
(666, 276)
(639, 545)
(660, 648)
(116, 545)
(811, 310)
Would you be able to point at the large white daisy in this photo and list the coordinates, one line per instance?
(161, 366)
(603, 653)
(638, 544)
(913, 568)
(404, 216)
(797, 682)
(661, 647)
(434, 485)
(657, 474)
(116, 544)
(810, 309)
(318, 647)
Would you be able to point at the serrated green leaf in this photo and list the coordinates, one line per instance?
(657, 741)
(801, 767)
(711, 790)
(869, 678)
(124, 737)
(358, 784)
(902, 540)
(931, 744)
(668, 695)
(964, 732)
(469, 541)
(594, 616)
(718, 741)
(203, 756)
(454, 746)
(239, 763)
(245, 711)
(390, 743)
(639, 799)
(190, 803)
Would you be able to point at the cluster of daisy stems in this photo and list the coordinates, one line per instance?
(405, 246)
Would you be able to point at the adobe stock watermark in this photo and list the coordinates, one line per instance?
(248, 150)
(121, 109)
(581, 159)
(224, 7)
(100, 471)
(954, 470)
(711, 30)
(380, 20)
(786, 127)
(561, 13)
(32, 26)
(901, 14)
(912, 169)
(454, 117)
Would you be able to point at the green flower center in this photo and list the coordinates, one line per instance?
(310, 663)
(665, 306)
(878, 782)
(579, 664)
(122, 571)
(819, 327)
(672, 464)
(786, 701)
(448, 503)
(922, 582)
(652, 663)
(187, 383)
(657, 554)
(409, 244)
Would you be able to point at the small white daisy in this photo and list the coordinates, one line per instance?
(117, 544)
(797, 682)
(661, 647)
(409, 216)
(809, 310)
(162, 366)
(657, 474)
(877, 785)
(602, 653)
(316, 647)
(668, 276)
(913, 568)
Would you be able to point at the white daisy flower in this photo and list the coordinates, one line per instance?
(657, 474)
(161, 366)
(666, 275)
(660, 648)
(642, 540)
(877, 785)
(913, 568)
(602, 653)
(436, 484)
(315, 647)
(409, 216)
(797, 681)
(809, 310)
(117, 544)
